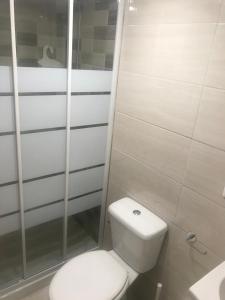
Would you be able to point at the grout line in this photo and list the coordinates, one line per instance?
(181, 184)
(170, 23)
(150, 76)
(148, 166)
(153, 125)
(192, 139)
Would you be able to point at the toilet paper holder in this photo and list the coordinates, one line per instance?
(191, 239)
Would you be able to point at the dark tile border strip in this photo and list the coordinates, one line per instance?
(42, 93)
(50, 203)
(89, 93)
(53, 129)
(8, 183)
(87, 168)
(43, 130)
(52, 175)
(88, 126)
(3, 94)
(43, 177)
(85, 194)
(7, 133)
(56, 93)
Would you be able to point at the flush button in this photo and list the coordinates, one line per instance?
(136, 212)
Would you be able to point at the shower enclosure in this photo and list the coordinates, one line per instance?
(56, 61)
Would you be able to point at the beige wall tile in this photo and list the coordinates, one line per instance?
(145, 185)
(216, 71)
(114, 193)
(169, 104)
(97, 18)
(206, 172)
(144, 12)
(203, 217)
(87, 45)
(175, 287)
(153, 146)
(104, 46)
(222, 13)
(172, 51)
(180, 256)
(210, 126)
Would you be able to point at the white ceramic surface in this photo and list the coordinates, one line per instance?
(135, 227)
(211, 286)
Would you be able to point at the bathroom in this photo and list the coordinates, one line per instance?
(111, 111)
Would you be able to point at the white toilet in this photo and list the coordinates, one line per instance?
(137, 236)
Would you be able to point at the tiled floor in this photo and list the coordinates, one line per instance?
(44, 243)
(41, 294)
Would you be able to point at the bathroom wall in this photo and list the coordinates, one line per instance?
(36, 26)
(168, 148)
(41, 23)
(97, 33)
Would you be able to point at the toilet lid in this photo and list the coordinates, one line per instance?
(94, 275)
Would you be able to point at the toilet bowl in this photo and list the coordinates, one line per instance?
(137, 236)
(96, 275)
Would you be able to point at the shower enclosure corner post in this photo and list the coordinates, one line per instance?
(68, 121)
(18, 136)
(117, 50)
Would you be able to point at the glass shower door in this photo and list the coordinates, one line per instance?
(10, 226)
(41, 35)
(61, 130)
(93, 40)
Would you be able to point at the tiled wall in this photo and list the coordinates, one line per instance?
(37, 24)
(169, 135)
(97, 33)
(40, 23)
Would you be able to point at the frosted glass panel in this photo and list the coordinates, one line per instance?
(86, 181)
(43, 153)
(87, 147)
(84, 203)
(10, 235)
(9, 201)
(9, 224)
(8, 169)
(41, 36)
(83, 223)
(41, 44)
(44, 214)
(89, 109)
(6, 113)
(44, 238)
(44, 191)
(6, 85)
(39, 112)
(91, 81)
(41, 79)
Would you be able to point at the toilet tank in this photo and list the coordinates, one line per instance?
(137, 234)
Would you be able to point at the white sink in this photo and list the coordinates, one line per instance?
(211, 286)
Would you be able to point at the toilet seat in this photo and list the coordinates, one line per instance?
(94, 275)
